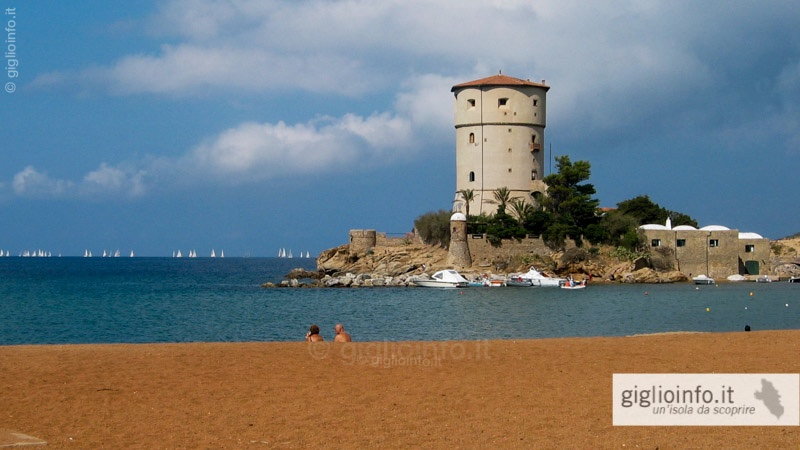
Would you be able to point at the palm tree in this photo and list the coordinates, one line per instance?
(502, 196)
(468, 195)
(521, 208)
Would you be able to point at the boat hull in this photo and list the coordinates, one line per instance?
(440, 284)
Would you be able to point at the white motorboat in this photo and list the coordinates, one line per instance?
(448, 278)
(572, 284)
(703, 279)
(535, 278)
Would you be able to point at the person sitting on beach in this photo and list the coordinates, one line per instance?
(341, 335)
(313, 334)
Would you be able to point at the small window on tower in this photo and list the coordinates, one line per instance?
(471, 103)
(472, 176)
(502, 102)
(535, 102)
(472, 138)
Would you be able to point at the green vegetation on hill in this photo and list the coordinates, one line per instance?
(568, 211)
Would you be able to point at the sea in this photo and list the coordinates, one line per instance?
(75, 300)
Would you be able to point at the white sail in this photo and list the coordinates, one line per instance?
(179, 254)
(222, 253)
(132, 255)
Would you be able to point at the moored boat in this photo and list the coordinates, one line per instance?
(535, 278)
(569, 283)
(703, 279)
(448, 278)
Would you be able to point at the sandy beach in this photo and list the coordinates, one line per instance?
(549, 393)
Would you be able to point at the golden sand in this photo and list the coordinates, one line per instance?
(548, 393)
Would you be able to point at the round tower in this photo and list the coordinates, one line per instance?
(458, 254)
(500, 122)
(362, 240)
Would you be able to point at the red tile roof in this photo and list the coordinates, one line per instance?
(499, 80)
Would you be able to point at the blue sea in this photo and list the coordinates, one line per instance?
(74, 300)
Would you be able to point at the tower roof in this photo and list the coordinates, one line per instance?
(499, 80)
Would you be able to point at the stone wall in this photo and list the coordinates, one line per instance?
(484, 254)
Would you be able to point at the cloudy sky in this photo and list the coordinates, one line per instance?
(254, 125)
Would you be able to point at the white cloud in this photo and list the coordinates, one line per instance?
(107, 180)
(32, 183)
(257, 151)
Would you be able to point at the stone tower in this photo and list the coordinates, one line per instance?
(362, 240)
(458, 254)
(499, 123)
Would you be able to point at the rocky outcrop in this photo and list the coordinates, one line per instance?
(400, 265)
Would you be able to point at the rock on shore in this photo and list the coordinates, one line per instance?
(400, 265)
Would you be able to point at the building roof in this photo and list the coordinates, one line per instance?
(499, 80)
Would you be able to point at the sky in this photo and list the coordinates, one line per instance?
(251, 126)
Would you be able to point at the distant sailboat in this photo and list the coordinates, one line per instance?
(290, 254)
(132, 255)
(213, 253)
(222, 253)
(179, 254)
(116, 254)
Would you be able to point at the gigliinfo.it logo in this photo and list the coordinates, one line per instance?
(706, 399)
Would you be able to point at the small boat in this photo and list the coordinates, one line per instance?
(764, 279)
(702, 279)
(737, 278)
(572, 284)
(518, 281)
(448, 278)
(536, 278)
(794, 280)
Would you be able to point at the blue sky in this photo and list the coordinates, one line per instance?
(250, 126)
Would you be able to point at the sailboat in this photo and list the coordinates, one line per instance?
(132, 255)
(116, 254)
(222, 253)
(213, 253)
(179, 254)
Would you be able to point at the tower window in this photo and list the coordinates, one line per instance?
(471, 103)
(535, 102)
(472, 138)
(501, 102)
(472, 176)
(749, 248)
